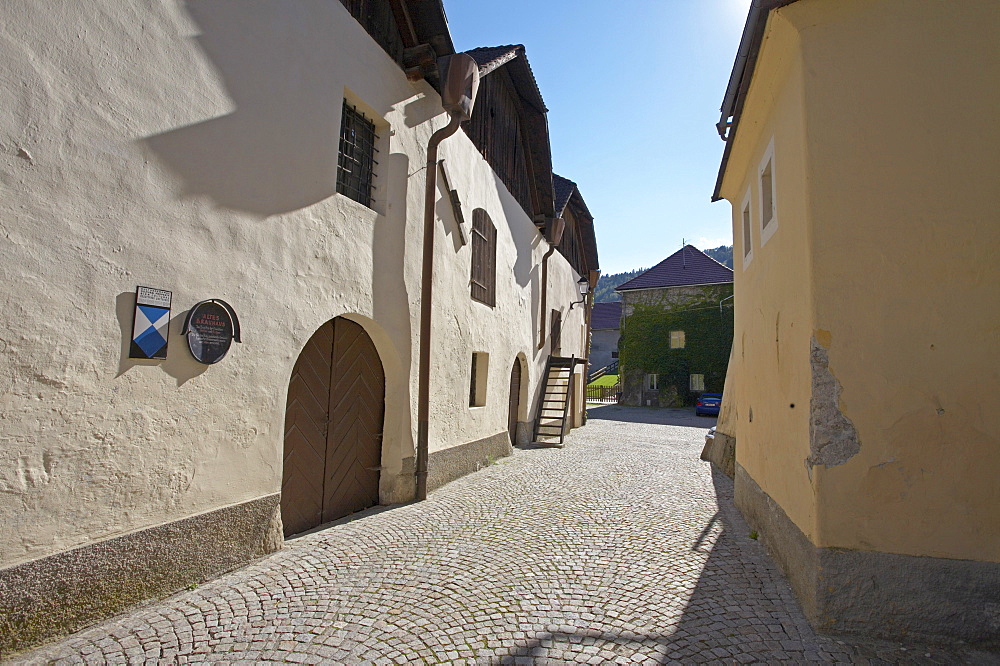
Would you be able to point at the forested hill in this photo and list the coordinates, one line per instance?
(605, 292)
(722, 254)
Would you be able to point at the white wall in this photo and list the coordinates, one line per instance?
(192, 147)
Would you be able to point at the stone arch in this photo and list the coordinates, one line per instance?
(519, 403)
(334, 425)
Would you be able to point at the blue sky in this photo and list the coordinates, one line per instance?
(633, 90)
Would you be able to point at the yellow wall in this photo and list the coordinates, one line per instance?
(901, 99)
(769, 369)
(888, 178)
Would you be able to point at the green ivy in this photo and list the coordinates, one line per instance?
(708, 332)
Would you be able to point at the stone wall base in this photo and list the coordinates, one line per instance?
(524, 431)
(882, 595)
(398, 488)
(63, 593)
(450, 464)
(721, 452)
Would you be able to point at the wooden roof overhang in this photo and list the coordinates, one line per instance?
(739, 79)
(512, 61)
(587, 233)
(423, 28)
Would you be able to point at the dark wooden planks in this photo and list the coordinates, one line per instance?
(333, 428)
(306, 419)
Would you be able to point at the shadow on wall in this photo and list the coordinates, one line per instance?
(526, 240)
(278, 151)
(391, 308)
(179, 363)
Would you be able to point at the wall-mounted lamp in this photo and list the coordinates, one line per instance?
(584, 285)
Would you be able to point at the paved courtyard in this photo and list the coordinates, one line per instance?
(622, 547)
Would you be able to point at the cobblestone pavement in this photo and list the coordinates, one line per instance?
(622, 547)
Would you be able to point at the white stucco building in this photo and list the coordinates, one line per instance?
(270, 155)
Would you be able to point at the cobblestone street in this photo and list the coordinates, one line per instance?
(622, 547)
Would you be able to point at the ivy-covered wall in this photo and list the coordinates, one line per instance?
(644, 347)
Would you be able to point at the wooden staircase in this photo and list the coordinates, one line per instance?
(555, 401)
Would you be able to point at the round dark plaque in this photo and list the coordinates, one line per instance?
(210, 330)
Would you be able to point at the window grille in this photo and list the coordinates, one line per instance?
(484, 258)
(355, 166)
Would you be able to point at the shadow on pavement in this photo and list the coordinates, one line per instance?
(350, 518)
(740, 608)
(654, 415)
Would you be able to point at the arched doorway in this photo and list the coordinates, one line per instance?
(333, 428)
(514, 401)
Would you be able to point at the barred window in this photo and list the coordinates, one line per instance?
(484, 258)
(356, 163)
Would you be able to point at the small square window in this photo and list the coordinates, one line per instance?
(768, 196)
(697, 383)
(356, 162)
(652, 382)
(477, 383)
(614, 354)
(677, 339)
(747, 239)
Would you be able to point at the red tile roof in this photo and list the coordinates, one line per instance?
(687, 266)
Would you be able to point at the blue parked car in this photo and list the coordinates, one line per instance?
(708, 404)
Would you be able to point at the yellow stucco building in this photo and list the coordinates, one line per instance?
(862, 166)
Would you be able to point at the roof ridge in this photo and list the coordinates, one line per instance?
(664, 274)
(499, 56)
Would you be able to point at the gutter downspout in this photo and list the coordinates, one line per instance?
(554, 228)
(545, 291)
(459, 85)
(426, 284)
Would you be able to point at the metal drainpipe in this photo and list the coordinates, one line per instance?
(426, 280)
(545, 291)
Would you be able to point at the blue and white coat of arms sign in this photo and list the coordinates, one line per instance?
(151, 324)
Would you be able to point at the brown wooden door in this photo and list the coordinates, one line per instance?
(333, 428)
(515, 397)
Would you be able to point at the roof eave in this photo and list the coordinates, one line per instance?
(739, 79)
(673, 286)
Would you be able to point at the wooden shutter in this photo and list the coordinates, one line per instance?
(484, 258)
